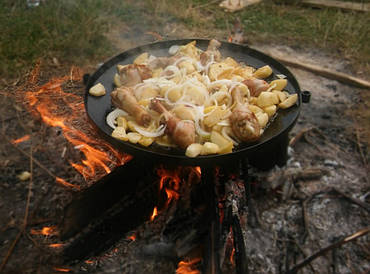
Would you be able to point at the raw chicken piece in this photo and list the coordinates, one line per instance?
(212, 53)
(124, 99)
(162, 62)
(256, 86)
(133, 74)
(181, 131)
(244, 123)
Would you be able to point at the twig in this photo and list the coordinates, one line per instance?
(299, 135)
(305, 220)
(358, 202)
(10, 251)
(24, 225)
(308, 140)
(29, 156)
(330, 74)
(304, 254)
(323, 251)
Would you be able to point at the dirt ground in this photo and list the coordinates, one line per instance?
(333, 139)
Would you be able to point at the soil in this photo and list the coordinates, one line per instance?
(335, 142)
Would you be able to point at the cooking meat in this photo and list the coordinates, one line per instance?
(256, 86)
(162, 62)
(244, 123)
(124, 99)
(181, 131)
(212, 53)
(133, 74)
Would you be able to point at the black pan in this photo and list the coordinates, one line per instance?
(97, 108)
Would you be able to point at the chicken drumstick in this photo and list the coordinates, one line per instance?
(182, 131)
(123, 98)
(244, 123)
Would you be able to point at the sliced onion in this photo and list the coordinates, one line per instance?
(226, 135)
(281, 76)
(175, 72)
(224, 123)
(112, 116)
(221, 82)
(185, 58)
(215, 95)
(201, 131)
(160, 130)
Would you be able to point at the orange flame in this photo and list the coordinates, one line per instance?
(59, 108)
(21, 140)
(46, 231)
(232, 255)
(170, 181)
(155, 213)
(66, 184)
(187, 267)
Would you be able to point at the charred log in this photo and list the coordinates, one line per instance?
(102, 214)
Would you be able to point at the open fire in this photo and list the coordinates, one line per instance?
(59, 108)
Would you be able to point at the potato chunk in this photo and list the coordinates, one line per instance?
(263, 72)
(290, 101)
(266, 99)
(226, 146)
(279, 84)
(97, 90)
(193, 150)
(120, 133)
(209, 148)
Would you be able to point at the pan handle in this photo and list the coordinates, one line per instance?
(306, 96)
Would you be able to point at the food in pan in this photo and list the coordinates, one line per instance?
(198, 101)
(97, 90)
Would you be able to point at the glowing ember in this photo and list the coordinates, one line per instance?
(21, 140)
(188, 267)
(89, 262)
(46, 231)
(60, 108)
(132, 237)
(155, 213)
(59, 269)
(56, 245)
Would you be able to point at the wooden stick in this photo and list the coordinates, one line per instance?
(24, 225)
(330, 74)
(321, 252)
(29, 156)
(335, 75)
(358, 202)
(338, 4)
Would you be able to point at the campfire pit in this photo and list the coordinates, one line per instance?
(292, 217)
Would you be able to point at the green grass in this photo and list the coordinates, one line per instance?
(346, 34)
(74, 31)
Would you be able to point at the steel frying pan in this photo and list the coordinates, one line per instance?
(97, 108)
